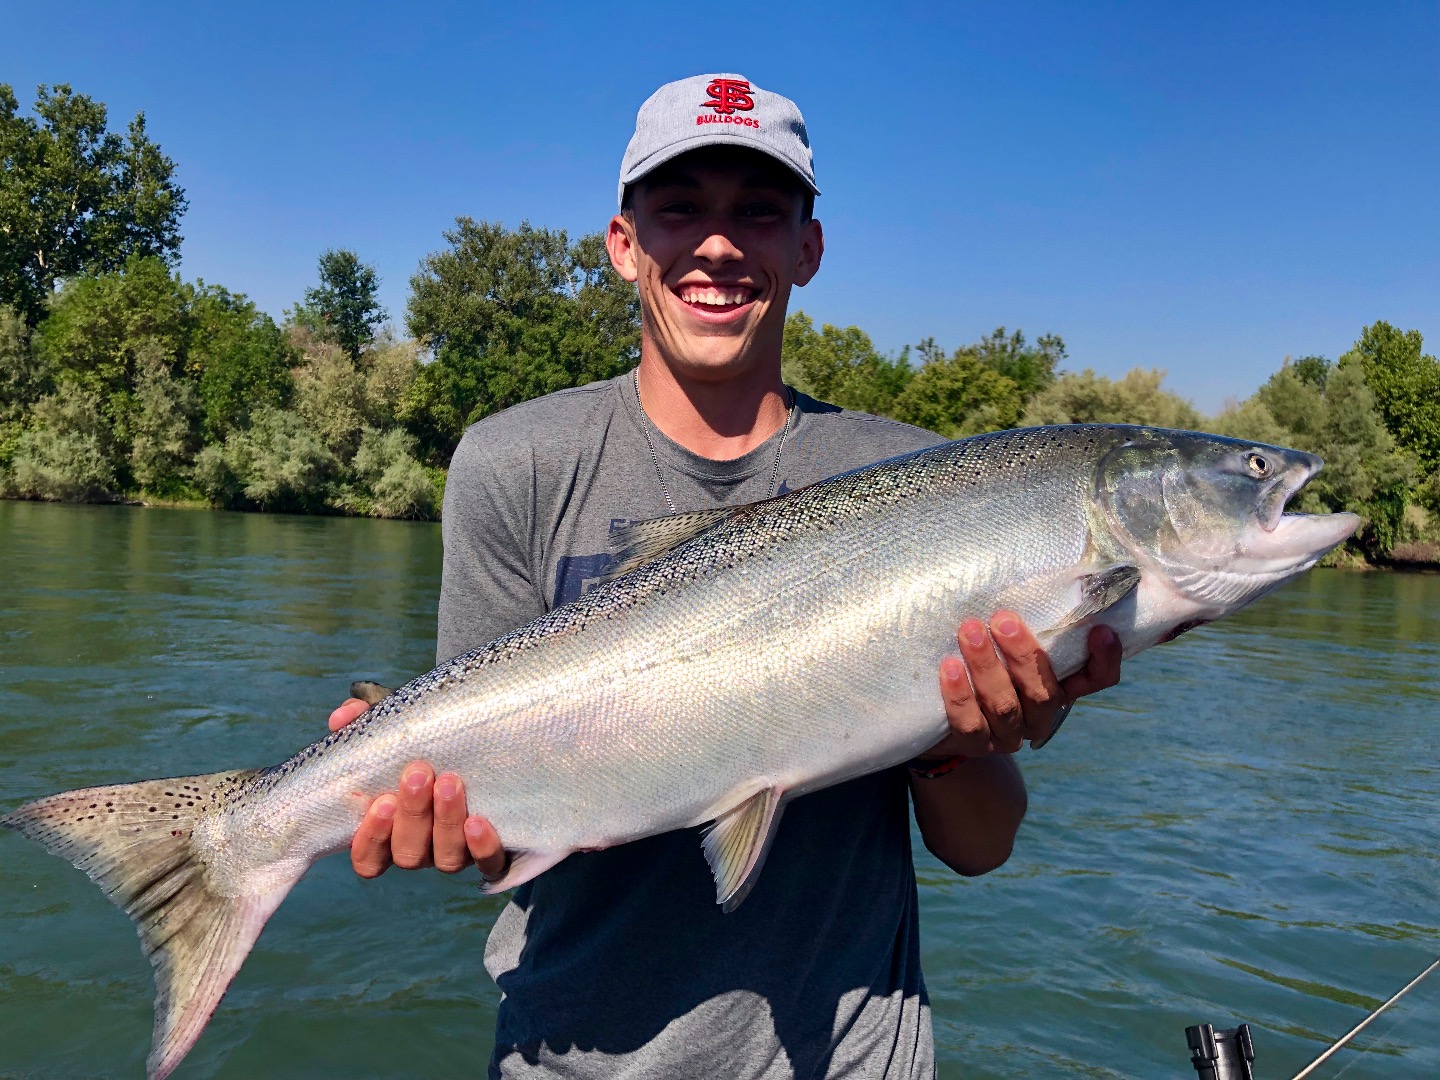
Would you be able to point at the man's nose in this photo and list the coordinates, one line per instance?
(718, 248)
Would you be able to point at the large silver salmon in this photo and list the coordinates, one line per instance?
(748, 655)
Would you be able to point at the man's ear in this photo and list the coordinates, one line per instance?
(812, 249)
(620, 243)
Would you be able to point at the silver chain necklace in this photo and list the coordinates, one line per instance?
(655, 457)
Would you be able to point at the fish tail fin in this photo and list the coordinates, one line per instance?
(136, 842)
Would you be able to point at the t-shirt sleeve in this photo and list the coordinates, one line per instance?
(486, 584)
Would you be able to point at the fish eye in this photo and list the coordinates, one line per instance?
(1257, 464)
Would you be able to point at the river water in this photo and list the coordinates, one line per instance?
(1244, 830)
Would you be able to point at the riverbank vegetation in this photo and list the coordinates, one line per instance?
(119, 380)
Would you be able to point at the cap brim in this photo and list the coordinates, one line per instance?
(641, 169)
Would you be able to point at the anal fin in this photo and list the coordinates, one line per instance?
(736, 843)
(524, 866)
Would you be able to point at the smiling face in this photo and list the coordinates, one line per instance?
(714, 240)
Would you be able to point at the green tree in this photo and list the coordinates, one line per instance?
(76, 198)
(344, 307)
(164, 436)
(1406, 384)
(1364, 470)
(958, 396)
(330, 397)
(391, 368)
(1088, 398)
(1031, 368)
(99, 325)
(24, 378)
(1252, 421)
(1297, 402)
(1313, 370)
(240, 357)
(511, 315)
(840, 366)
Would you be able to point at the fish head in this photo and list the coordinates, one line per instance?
(1209, 513)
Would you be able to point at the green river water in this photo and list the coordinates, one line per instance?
(1244, 830)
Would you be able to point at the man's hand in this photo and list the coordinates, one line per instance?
(424, 823)
(1012, 695)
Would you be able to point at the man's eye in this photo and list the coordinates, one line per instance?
(677, 207)
(762, 210)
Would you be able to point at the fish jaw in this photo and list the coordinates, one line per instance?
(1303, 539)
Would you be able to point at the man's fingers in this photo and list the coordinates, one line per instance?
(1031, 674)
(483, 844)
(370, 848)
(969, 730)
(350, 709)
(1102, 667)
(413, 831)
(994, 689)
(450, 850)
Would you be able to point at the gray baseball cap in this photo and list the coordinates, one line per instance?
(716, 110)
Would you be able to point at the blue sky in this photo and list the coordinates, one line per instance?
(1201, 188)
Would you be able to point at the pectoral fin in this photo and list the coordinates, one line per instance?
(1098, 592)
(736, 843)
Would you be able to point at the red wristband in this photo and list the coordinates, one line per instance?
(933, 770)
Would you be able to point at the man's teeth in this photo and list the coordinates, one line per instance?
(713, 297)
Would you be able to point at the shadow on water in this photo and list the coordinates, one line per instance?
(1244, 830)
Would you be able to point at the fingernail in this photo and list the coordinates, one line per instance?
(973, 630)
(951, 669)
(1108, 636)
(415, 779)
(384, 808)
(445, 787)
(1007, 626)
(474, 827)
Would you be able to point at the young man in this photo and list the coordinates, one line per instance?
(619, 961)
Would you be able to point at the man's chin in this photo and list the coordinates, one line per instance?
(706, 363)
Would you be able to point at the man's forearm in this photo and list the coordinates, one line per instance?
(968, 818)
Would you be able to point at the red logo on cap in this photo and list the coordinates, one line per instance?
(729, 95)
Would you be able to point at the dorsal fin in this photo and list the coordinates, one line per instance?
(645, 541)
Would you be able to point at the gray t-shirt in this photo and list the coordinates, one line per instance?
(619, 962)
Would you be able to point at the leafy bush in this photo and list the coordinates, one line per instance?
(68, 456)
(400, 485)
(277, 464)
(214, 477)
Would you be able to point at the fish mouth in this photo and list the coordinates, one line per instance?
(1285, 487)
(1301, 536)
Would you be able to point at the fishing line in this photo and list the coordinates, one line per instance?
(1364, 1023)
(1378, 1040)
